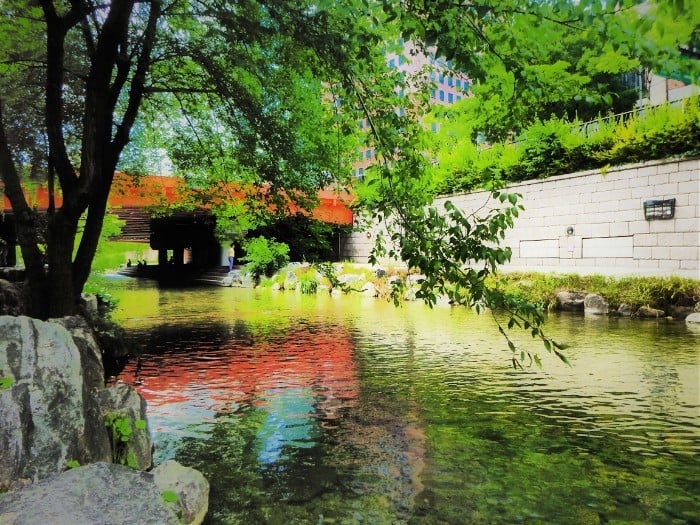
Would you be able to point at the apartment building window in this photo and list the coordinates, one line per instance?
(392, 63)
(458, 82)
(361, 174)
(449, 81)
(442, 95)
(433, 93)
(434, 127)
(361, 124)
(442, 79)
(450, 98)
(368, 154)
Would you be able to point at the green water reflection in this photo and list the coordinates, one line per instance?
(346, 410)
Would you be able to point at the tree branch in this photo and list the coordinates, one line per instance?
(56, 29)
(138, 82)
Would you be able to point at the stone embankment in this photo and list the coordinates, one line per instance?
(72, 449)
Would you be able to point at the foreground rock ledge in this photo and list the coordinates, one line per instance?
(53, 405)
(107, 494)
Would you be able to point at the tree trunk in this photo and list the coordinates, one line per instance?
(62, 298)
(28, 227)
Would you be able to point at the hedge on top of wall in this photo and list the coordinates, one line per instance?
(556, 147)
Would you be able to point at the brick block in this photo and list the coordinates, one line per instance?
(685, 212)
(619, 229)
(608, 247)
(644, 193)
(630, 215)
(690, 186)
(666, 191)
(692, 165)
(639, 181)
(663, 226)
(621, 184)
(691, 238)
(689, 264)
(600, 230)
(628, 204)
(648, 170)
(545, 248)
(642, 252)
(670, 239)
(669, 263)
(646, 239)
(658, 179)
(660, 252)
(648, 263)
(683, 199)
(685, 253)
(682, 176)
(637, 227)
(684, 225)
(668, 167)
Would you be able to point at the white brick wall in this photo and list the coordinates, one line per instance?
(611, 236)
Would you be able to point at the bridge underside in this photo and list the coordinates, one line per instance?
(191, 231)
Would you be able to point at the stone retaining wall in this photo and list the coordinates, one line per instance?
(594, 222)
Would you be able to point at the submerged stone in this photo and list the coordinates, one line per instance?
(595, 304)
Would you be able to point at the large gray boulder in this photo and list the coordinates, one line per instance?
(102, 493)
(571, 301)
(595, 304)
(48, 414)
(90, 354)
(190, 485)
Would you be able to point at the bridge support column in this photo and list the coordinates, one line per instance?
(179, 256)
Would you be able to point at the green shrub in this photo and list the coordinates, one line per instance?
(264, 257)
(657, 292)
(556, 147)
(308, 284)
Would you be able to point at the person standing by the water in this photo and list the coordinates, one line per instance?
(231, 257)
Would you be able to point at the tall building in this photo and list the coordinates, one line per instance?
(449, 87)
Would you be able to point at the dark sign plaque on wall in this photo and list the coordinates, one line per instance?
(659, 209)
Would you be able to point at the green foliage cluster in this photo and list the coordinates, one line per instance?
(663, 293)
(5, 381)
(557, 146)
(308, 283)
(308, 239)
(121, 431)
(264, 257)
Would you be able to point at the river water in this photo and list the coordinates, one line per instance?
(313, 409)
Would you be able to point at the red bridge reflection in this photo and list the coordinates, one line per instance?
(214, 381)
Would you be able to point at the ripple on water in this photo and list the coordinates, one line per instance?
(419, 406)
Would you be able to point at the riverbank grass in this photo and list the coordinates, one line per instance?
(663, 293)
(669, 294)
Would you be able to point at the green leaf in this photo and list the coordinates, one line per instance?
(169, 496)
(6, 382)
